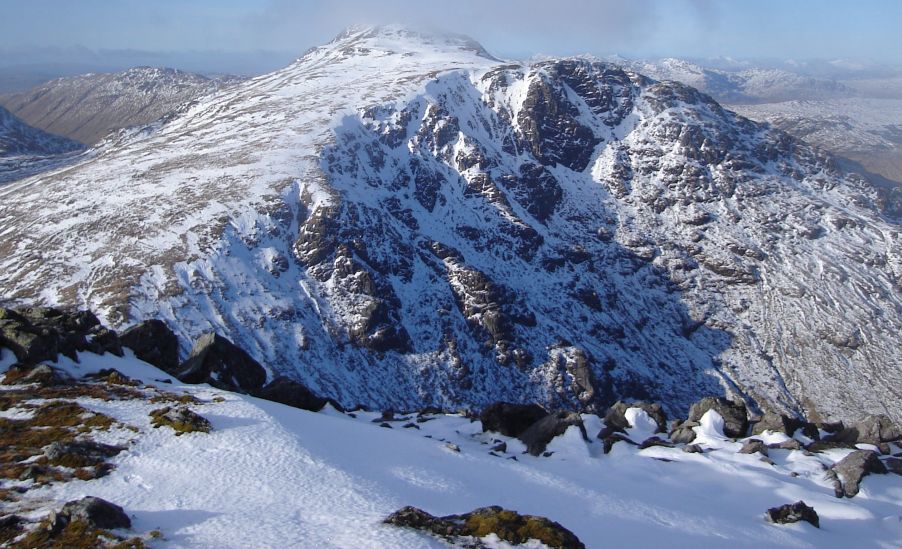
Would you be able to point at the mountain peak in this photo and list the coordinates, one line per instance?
(402, 37)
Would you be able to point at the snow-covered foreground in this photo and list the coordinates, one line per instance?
(273, 476)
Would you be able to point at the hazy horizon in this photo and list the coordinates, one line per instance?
(254, 37)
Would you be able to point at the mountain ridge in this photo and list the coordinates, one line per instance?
(401, 222)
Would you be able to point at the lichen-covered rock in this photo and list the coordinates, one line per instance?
(855, 466)
(181, 420)
(509, 526)
(793, 512)
(510, 419)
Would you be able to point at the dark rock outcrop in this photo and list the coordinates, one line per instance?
(96, 512)
(80, 453)
(734, 414)
(219, 362)
(153, 342)
(37, 334)
(793, 512)
(857, 465)
(510, 419)
(540, 433)
(508, 525)
(291, 393)
(893, 465)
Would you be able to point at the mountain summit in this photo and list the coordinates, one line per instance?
(399, 219)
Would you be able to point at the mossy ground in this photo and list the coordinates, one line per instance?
(76, 535)
(51, 414)
(22, 441)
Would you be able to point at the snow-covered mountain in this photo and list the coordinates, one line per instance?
(400, 219)
(87, 108)
(741, 84)
(25, 150)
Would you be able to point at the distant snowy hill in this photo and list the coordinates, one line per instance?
(88, 107)
(865, 129)
(400, 219)
(740, 84)
(848, 115)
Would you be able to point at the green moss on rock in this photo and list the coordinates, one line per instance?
(508, 525)
(181, 420)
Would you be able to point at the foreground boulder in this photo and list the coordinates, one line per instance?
(780, 423)
(615, 419)
(510, 419)
(754, 446)
(181, 420)
(877, 429)
(684, 433)
(509, 526)
(540, 433)
(855, 466)
(734, 414)
(97, 513)
(793, 512)
(219, 362)
(153, 342)
(291, 393)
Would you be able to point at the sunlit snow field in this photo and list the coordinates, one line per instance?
(273, 476)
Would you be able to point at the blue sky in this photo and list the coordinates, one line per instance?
(865, 29)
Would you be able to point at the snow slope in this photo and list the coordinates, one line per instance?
(400, 219)
(273, 476)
